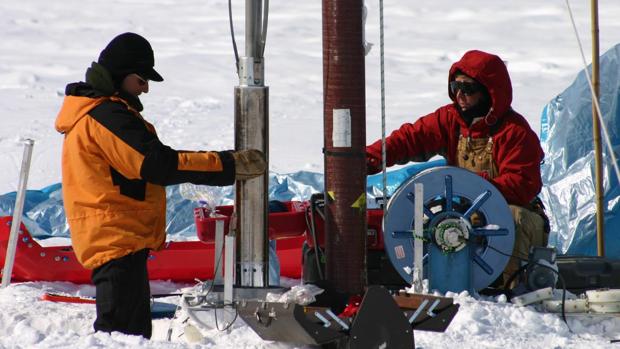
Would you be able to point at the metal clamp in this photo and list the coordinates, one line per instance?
(429, 312)
(418, 311)
(337, 319)
(262, 320)
(326, 322)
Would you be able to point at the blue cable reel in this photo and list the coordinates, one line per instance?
(468, 230)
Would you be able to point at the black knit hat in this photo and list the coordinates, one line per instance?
(129, 53)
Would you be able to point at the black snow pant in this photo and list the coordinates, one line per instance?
(123, 295)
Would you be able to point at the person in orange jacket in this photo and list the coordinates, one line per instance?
(114, 170)
(479, 131)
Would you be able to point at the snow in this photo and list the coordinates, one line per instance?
(46, 44)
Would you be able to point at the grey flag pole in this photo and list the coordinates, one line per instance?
(17, 213)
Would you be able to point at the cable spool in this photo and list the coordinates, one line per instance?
(458, 254)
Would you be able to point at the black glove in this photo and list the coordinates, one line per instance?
(373, 164)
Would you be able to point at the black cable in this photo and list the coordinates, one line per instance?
(563, 292)
(163, 295)
(317, 248)
(203, 298)
(502, 253)
(264, 30)
(514, 276)
(524, 267)
(232, 34)
(231, 322)
(217, 265)
(321, 213)
(169, 331)
(214, 306)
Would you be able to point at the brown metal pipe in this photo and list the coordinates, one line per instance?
(596, 131)
(344, 116)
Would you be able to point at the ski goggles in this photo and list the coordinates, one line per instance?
(467, 88)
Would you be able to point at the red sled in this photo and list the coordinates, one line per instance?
(183, 261)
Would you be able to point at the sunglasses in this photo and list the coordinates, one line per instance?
(141, 81)
(467, 88)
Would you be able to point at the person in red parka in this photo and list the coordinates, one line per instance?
(479, 131)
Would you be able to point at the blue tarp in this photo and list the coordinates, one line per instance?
(568, 170)
(44, 214)
(374, 183)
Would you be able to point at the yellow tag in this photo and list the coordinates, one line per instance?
(360, 202)
(331, 195)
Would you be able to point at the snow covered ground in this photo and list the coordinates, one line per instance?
(46, 44)
(27, 322)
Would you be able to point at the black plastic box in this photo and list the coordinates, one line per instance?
(582, 273)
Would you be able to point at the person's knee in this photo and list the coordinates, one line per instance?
(529, 226)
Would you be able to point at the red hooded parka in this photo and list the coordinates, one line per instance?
(516, 148)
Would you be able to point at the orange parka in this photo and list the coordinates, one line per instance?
(114, 169)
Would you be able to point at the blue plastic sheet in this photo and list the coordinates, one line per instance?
(394, 178)
(568, 171)
(44, 214)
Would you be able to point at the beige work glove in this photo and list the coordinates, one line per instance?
(249, 163)
(476, 220)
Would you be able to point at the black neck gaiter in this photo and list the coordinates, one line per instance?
(479, 110)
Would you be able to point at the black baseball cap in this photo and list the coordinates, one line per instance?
(129, 53)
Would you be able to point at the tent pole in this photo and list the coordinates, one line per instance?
(20, 198)
(598, 160)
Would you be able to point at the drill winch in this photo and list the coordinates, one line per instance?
(468, 229)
